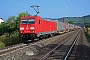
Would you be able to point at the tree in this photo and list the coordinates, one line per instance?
(87, 26)
(4, 27)
(70, 22)
(12, 23)
(11, 19)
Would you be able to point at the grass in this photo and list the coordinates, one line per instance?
(7, 40)
(2, 44)
(11, 41)
(87, 33)
(4, 41)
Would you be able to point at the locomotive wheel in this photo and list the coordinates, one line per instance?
(24, 40)
(51, 35)
(32, 40)
(41, 37)
(44, 36)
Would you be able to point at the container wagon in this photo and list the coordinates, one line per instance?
(61, 27)
(71, 27)
(66, 26)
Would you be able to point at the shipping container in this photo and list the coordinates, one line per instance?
(71, 27)
(60, 26)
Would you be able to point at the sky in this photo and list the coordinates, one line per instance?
(47, 9)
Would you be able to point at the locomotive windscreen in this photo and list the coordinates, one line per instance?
(29, 21)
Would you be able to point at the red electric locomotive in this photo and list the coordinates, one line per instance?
(32, 27)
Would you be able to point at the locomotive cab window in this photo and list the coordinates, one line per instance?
(24, 21)
(29, 21)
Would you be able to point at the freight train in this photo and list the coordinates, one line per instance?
(32, 27)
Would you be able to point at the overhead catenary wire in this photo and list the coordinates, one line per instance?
(47, 11)
(70, 7)
(47, 7)
(54, 14)
(25, 2)
(40, 7)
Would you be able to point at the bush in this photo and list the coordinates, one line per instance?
(2, 44)
(7, 40)
(87, 36)
(11, 41)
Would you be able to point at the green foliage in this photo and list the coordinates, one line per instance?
(70, 22)
(2, 44)
(87, 36)
(87, 26)
(10, 29)
(12, 23)
(77, 19)
(11, 19)
(11, 41)
(4, 27)
(19, 17)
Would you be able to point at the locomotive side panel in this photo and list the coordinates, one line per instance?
(47, 27)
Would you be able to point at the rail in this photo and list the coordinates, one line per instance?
(71, 47)
(56, 48)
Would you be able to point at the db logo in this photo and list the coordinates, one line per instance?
(27, 28)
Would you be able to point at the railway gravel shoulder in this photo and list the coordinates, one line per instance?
(24, 53)
(81, 49)
(49, 47)
(62, 50)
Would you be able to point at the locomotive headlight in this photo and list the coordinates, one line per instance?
(32, 31)
(22, 28)
(32, 28)
(21, 32)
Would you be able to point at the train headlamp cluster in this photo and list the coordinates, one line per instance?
(32, 28)
(22, 28)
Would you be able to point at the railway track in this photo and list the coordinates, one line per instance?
(47, 51)
(62, 51)
(11, 48)
(42, 44)
(81, 49)
(71, 47)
